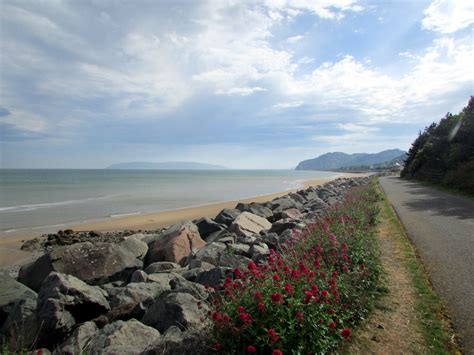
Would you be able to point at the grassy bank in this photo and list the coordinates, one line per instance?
(430, 318)
(310, 295)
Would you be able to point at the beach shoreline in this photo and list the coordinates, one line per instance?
(11, 254)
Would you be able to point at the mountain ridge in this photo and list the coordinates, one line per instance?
(337, 160)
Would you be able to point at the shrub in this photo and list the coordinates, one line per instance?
(309, 296)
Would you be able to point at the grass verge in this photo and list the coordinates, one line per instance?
(433, 322)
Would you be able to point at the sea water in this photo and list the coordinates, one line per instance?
(33, 200)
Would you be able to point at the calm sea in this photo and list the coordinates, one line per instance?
(35, 200)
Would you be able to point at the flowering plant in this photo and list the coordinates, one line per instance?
(307, 297)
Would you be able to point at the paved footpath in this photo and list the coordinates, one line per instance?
(441, 225)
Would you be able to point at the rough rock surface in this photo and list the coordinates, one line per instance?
(135, 246)
(93, 263)
(207, 226)
(176, 244)
(248, 224)
(255, 208)
(130, 337)
(160, 266)
(177, 342)
(18, 324)
(177, 309)
(78, 341)
(227, 216)
(63, 301)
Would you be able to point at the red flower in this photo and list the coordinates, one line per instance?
(258, 295)
(246, 318)
(324, 293)
(226, 318)
(332, 325)
(277, 352)
(217, 346)
(216, 316)
(252, 266)
(300, 316)
(261, 306)
(346, 333)
(289, 289)
(276, 277)
(277, 297)
(251, 349)
(273, 335)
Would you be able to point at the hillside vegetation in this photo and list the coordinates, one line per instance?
(338, 160)
(444, 152)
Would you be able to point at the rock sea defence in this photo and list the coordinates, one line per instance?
(146, 292)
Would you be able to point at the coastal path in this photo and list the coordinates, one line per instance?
(441, 226)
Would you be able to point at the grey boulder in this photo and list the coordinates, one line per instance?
(177, 309)
(227, 216)
(130, 337)
(248, 224)
(63, 301)
(93, 263)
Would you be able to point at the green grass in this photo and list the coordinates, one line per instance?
(433, 323)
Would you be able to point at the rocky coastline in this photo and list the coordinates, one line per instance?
(145, 291)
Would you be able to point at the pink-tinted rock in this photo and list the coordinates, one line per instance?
(176, 244)
(292, 213)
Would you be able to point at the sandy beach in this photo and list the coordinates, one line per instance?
(10, 253)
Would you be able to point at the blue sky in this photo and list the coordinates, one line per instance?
(245, 84)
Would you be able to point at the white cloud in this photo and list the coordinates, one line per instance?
(290, 104)
(244, 91)
(327, 9)
(294, 39)
(448, 16)
(25, 121)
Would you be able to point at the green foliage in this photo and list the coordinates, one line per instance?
(307, 298)
(444, 151)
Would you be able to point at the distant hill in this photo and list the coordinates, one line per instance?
(170, 165)
(338, 160)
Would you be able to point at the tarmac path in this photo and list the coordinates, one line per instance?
(441, 226)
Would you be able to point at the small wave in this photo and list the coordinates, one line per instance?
(24, 208)
(124, 214)
(50, 226)
(10, 230)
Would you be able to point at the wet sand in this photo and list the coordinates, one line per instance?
(10, 253)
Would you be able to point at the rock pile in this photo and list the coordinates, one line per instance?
(146, 293)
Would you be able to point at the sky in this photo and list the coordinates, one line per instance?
(244, 84)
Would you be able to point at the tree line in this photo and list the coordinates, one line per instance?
(444, 152)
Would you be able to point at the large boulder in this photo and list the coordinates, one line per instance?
(177, 342)
(63, 301)
(255, 208)
(18, 325)
(315, 204)
(135, 246)
(224, 234)
(211, 252)
(161, 266)
(227, 216)
(78, 341)
(207, 226)
(280, 204)
(93, 263)
(291, 213)
(284, 224)
(214, 277)
(248, 224)
(177, 309)
(130, 337)
(176, 244)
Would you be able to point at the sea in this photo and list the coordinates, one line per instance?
(38, 200)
